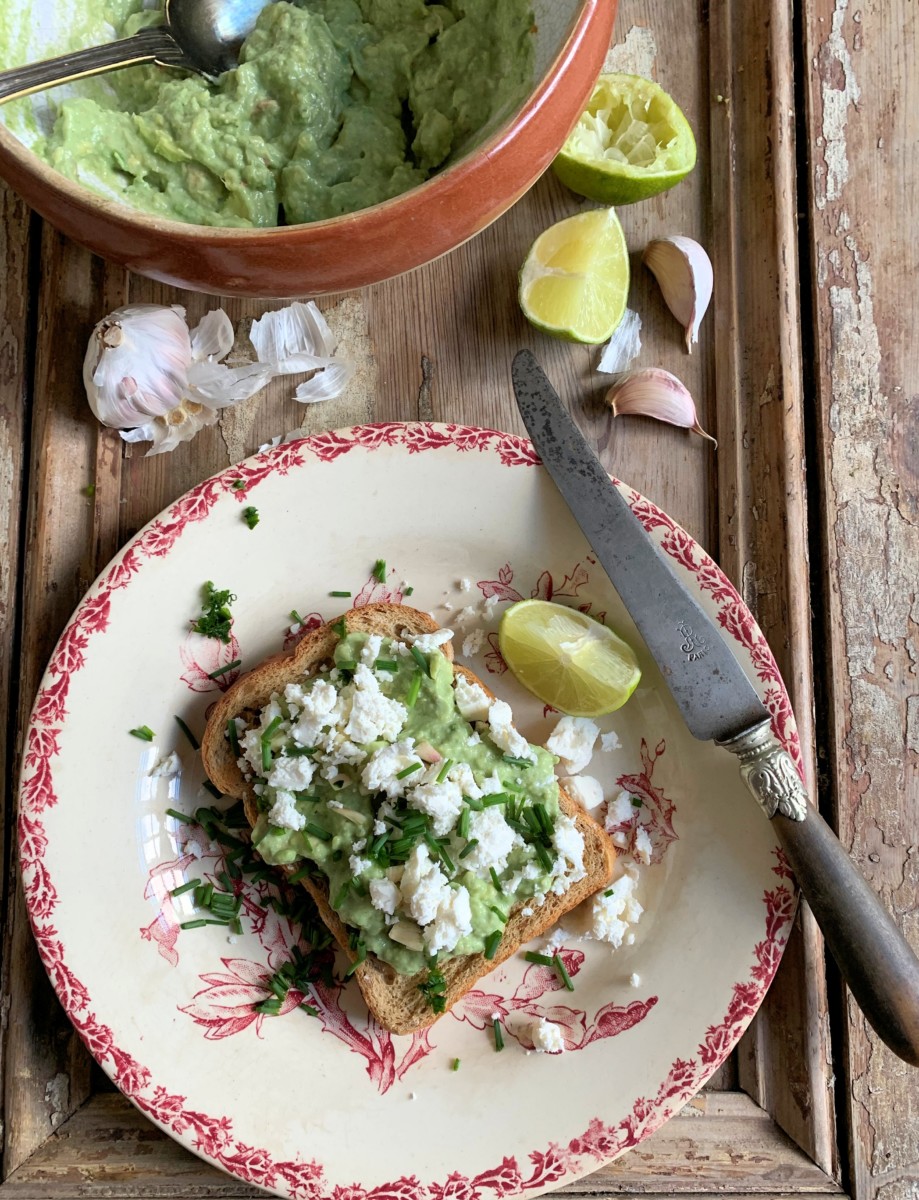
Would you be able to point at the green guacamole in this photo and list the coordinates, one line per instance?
(336, 105)
(381, 828)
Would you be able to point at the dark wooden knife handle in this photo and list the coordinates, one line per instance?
(874, 958)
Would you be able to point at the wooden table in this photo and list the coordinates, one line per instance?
(806, 194)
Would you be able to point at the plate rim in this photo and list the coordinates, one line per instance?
(210, 1137)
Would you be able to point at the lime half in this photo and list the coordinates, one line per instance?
(631, 143)
(575, 281)
(567, 659)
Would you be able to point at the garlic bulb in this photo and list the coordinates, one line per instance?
(656, 393)
(684, 272)
(147, 375)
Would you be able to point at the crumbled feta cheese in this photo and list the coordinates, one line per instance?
(642, 845)
(495, 840)
(358, 865)
(634, 980)
(373, 715)
(284, 812)
(547, 1037)
(585, 789)
(452, 921)
(612, 911)
(569, 845)
(474, 642)
(572, 741)
(465, 617)
(464, 584)
(321, 709)
(427, 643)
(555, 941)
(384, 896)
(472, 704)
(527, 911)
(192, 849)
(503, 734)
(167, 767)
(291, 774)
(619, 811)
(474, 739)
(379, 827)
(423, 886)
(370, 651)
(461, 774)
(384, 766)
(610, 741)
(441, 801)
(489, 605)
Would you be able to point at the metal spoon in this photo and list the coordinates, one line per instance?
(198, 35)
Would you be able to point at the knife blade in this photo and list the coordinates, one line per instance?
(718, 702)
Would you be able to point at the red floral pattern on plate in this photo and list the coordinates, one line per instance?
(212, 1136)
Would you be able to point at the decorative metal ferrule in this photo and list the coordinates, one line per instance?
(768, 772)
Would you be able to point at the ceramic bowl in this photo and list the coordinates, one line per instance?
(346, 252)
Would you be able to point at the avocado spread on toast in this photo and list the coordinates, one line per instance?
(428, 827)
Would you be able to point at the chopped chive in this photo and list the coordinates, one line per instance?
(544, 819)
(310, 1009)
(295, 617)
(497, 798)
(386, 664)
(408, 591)
(475, 805)
(542, 959)
(144, 732)
(608, 892)
(409, 770)
(562, 972)
(317, 831)
(216, 921)
(183, 817)
(342, 894)
(272, 1007)
(215, 791)
(499, 1037)
(413, 689)
(543, 855)
(444, 770)
(346, 595)
(236, 925)
(238, 485)
(463, 826)
(199, 923)
(420, 659)
(340, 627)
(186, 887)
(299, 876)
(250, 516)
(636, 802)
(226, 670)
(233, 736)
(496, 881)
(491, 943)
(498, 913)
(346, 664)
(361, 955)
(216, 619)
(455, 1065)
(379, 570)
(469, 847)
(207, 895)
(518, 762)
(278, 986)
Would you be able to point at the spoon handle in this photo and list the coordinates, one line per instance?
(149, 45)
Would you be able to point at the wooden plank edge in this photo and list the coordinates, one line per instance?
(720, 1144)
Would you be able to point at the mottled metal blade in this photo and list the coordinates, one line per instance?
(713, 693)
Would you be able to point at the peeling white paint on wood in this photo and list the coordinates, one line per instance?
(840, 91)
(634, 56)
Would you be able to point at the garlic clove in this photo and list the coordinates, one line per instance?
(684, 272)
(213, 337)
(656, 393)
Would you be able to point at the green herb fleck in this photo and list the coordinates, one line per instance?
(216, 619)
(89, 491)
(379, 570)
(420, 659)
(455, 1065)
(409, 770)
(434, 990)
(237, 662)
(179, 816)
(562, 973)
(408, 591)
(491, 943)
(346, 595)
(250, 516)
(413, 689)
(186, 887)
(636, 802)
(542, 959)
(499, 1036)
(144, 732)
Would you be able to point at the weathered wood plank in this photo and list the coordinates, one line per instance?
(864, 204)
(784, 1061)
(720, 1143)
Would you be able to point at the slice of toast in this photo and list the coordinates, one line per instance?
(393, 999)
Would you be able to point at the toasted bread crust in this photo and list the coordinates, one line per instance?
(393, 999)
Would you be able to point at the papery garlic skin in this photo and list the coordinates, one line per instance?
(685, 275)
(623, 347)
(136, 364)
(656, 393)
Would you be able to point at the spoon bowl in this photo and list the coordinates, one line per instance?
(210, 32)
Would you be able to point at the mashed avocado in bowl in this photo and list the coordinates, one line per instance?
(336, 105)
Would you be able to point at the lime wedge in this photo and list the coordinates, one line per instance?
(575, 281)
(567, 659)
(631, 143)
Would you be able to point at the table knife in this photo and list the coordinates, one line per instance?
(719, 703)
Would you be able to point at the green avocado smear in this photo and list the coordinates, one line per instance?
(429, 826)
(336, 105)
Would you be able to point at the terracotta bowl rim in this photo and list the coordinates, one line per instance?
(442, 183)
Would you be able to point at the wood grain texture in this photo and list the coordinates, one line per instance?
(722, 1143)
(437, 345)
(863, 101)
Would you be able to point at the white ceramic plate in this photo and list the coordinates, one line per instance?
(336, 1107)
